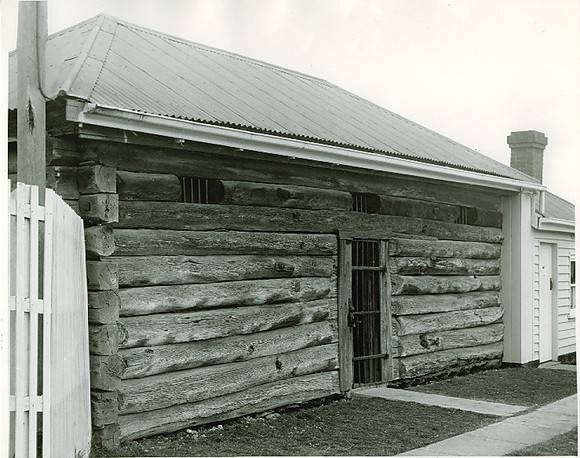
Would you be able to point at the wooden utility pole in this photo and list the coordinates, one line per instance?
(31, 43)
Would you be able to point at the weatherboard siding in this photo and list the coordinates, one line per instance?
(566, 325)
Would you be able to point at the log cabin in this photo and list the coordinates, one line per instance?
(257, 237)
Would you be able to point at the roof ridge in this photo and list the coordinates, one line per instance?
(216, 50)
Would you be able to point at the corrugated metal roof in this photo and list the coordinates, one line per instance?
(556, 207)
(111, 62)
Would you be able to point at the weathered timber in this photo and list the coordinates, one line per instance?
(443, 266)
(63, 180)
(148, 186)
(417, 208)
(61, 152)
(103, 307)
(192, 385)
(279, 195)
(99, 241)
(257, 399)
(204, 217)
(431, 322)
(167, 328)
(483, 217)
(145, 361)
(175, 270)
(444, 249)
(96, 179)
(106, 371)
(161, 299)
(434, 303)
(426, 284)
(103, 339)
(229, 165)
(104, 408)
(99, 208)
(139, 242)
(345, 338)
(441, 361)
(445, 340)
(108, 437)
(102, 276)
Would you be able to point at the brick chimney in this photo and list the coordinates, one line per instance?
(528, 152)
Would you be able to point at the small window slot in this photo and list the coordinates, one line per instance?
(365, 202)
(195, 190)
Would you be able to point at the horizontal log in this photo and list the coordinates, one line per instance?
(145, 361)
(204, 217)
(431, 322)
(102, 276)
(443, 266)
(148, 186)
(193, 385)
(74, 204)
(445, 340)
(96, 179)
(103, 339)
(257, 399)
(444, 249)
(389, 205)
(162, 299)
(104, 408)
(99, 241)
(63, 180)
(280, 195)
(483, 217)
(442, 361)
(106, 371)
(434, 303)
(62, 152)
(99, 208)
(224, 164)
(176, 270)
(425, 284)
(139, 242)
(104, 307)
(168, 328)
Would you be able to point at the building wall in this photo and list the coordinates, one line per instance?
(566, 327)
(201, 313)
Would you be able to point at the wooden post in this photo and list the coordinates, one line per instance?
(32, 36)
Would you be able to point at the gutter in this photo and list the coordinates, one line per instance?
(556, 225)
(181, 129)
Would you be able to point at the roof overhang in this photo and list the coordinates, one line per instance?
(104, 116)
(556, 225)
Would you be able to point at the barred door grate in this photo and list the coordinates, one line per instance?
(365, 313)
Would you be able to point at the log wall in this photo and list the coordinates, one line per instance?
(204, 312)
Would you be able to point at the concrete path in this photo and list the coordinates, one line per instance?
(558, 366)
(508, 435)
(483, 407)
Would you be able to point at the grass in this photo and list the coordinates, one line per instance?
(563, 445)
(518, 386)
(361, 426)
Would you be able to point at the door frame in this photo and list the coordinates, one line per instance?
(553, 301)
(345, 334)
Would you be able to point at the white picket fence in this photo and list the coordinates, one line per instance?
(49, 366)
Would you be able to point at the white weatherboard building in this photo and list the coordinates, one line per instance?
(548, 321)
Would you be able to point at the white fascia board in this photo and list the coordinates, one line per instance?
(556, 225)
(166, 126)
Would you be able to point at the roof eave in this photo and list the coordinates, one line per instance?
(111, 117)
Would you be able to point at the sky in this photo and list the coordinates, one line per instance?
(469, 69)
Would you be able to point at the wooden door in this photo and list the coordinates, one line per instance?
(364, 315)
(546, 302)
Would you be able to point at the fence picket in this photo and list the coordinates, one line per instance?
(47, 323)
(33, 322)
(21, 344)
